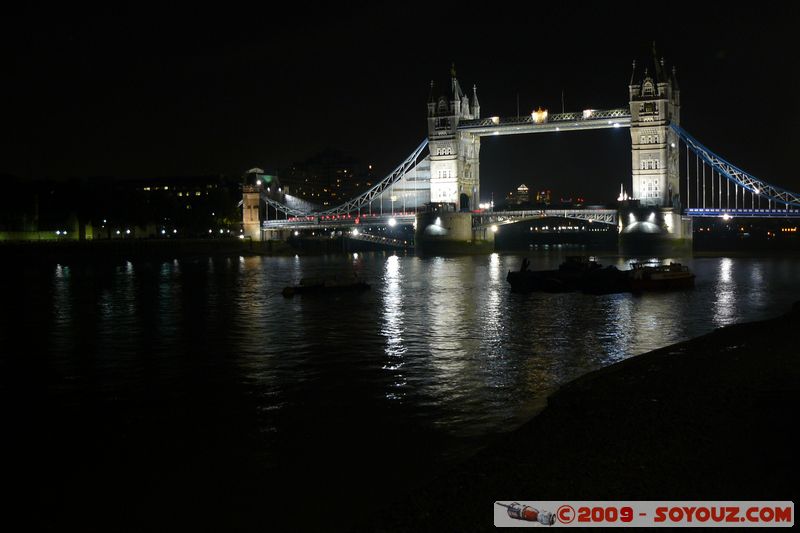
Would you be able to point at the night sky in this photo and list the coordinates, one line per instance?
(149, 94)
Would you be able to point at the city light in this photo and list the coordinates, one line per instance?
(392, 222)
(587, 113)
(726, 216)
(127, 231)
(163, 231)
(296, 233)
(354, 232)
(494, 228)
(258, 182)
(58, 232)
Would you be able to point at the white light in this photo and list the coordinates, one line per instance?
(672, 145)
(258, 182)
(174, 231)
(616, 124)
(496, 120)
(494, 228)
(757, 191)
(392, 222)
(726, 216)
(163, 231)
(631, 218)
(652, 217)
(117, 232)
(104, 221)
(497, 133)
(296, 233)
(209, 231)
(355, 256)
(220, 230)
(241, 236)
(58, 232)
(127, 231)
(587, 113)
(438, 221)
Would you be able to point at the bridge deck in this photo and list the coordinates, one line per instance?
(746, 213)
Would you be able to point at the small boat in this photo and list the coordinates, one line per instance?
(568, 278)
(323, 286)
(661, 277)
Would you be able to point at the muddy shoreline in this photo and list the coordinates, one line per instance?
(710, 418)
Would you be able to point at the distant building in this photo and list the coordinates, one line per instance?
(518, 197)
(328, 178)
(110, 208)
(543, 197)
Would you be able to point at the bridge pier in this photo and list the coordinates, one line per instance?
(443, 231)
(653, 230)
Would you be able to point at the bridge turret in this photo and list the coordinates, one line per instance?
(476, 106)
(454, 154)
(654, 104)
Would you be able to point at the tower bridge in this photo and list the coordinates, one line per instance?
(674, 177)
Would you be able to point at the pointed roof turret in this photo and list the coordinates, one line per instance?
(633, 73)
(674, 79)
(659, 64)
(431, 96)
(457, 92)
(475, 102)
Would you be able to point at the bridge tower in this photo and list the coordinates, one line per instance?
(455, 172)
(251, 219)
(655, 103)
(653, 222)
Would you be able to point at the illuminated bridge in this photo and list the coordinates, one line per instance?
(674, 177)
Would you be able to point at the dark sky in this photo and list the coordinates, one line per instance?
(208, 92)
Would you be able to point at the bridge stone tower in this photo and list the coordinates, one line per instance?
(455, 166)
(655, 103)
(251, 219)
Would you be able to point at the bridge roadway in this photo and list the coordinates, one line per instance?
(482, 219)
(744, 213)
(339, 221)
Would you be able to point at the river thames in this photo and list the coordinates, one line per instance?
(191, 392)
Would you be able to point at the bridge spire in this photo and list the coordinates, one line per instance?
(633, 73)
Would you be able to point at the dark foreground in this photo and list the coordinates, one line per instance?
(708, 419)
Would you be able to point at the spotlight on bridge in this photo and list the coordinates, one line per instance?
(652, 217)
(438, 221)
(756, 190)
(392, 222)
(354, 233)
(726, 216)
(616, 124)
(494, 228)
(258, 182)
(296, 233)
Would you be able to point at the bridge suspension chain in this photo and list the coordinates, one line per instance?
(733, 174)
(356, 204)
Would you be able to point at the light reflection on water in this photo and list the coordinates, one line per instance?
(438, 343)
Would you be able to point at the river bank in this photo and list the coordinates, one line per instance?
(706, 419)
